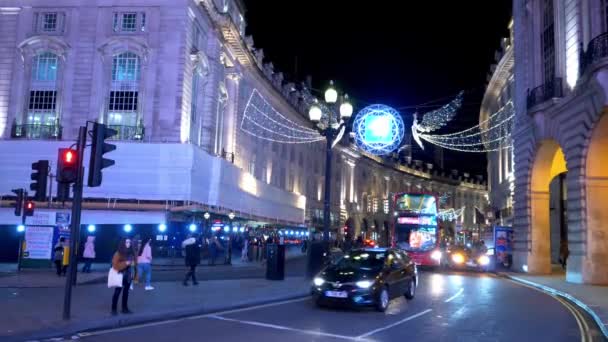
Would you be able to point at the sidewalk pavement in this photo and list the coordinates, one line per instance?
(592, 299)
(36, 313)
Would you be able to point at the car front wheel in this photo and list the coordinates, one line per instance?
(383, 300)
(410, 292)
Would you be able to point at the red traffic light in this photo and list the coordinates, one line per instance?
(30, 205)
(29, 208)
(68, 156)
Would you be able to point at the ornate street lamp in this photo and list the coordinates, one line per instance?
(329, 125)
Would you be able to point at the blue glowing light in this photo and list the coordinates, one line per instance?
(242, 229)
(227, 229)
(20, 228)
(162, 227)
(127, 228)
(91, 228)
(379, 129)
(192, 227)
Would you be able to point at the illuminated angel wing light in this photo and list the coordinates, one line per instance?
(435, 119)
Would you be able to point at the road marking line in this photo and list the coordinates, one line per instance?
(582, 324)
(394, 324)
(151, 324)
(282, 327)
(249, 308)
(454, 296)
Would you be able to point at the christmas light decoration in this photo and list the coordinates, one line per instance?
(492, 134)
(438, 118)
(261, 120)
(450, 214)
(379, 129)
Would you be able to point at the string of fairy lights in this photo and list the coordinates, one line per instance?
(438, 118)
(261, 120)
(492, 134)
(450, 214)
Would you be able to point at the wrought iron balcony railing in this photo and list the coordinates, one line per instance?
(133, 133)
(549, 90)
(596, 50)
(36, 131)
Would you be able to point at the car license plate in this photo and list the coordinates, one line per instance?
(336, 294)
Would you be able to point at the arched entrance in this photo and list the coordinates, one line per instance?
(548, 164)
(596, 259)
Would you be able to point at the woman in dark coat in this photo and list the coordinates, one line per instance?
(121, 262)
(193, 258)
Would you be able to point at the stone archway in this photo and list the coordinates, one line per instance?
(595, 267)
(548, 163)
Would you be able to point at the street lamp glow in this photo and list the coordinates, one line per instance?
(231, 216)
(226, 229)
(206, 216)
(331, 95)
(346, 109)
(315, 113)
(127, 228)
(20, 228)
(162, 227)
(91, 228)
(192, 227)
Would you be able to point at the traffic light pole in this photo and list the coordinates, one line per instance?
(75, 226)
(21, 235)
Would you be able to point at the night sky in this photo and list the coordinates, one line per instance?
(379, 53)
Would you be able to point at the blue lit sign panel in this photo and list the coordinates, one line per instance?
(378, 129)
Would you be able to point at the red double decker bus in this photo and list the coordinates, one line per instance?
(415, 228)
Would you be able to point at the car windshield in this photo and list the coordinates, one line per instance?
(362, 260)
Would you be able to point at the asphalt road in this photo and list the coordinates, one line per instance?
(447, 307)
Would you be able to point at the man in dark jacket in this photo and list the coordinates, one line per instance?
(193, 257)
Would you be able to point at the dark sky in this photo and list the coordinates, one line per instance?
(380, 53)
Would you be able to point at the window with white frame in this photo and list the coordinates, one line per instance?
(129, 22)
(42, 104)
(49, 22)
(548, 41)
(123, 102)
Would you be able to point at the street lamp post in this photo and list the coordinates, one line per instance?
(330, 130)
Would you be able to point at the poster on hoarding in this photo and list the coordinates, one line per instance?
(503, 243)
(38, 242)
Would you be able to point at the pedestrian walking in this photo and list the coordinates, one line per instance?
(193, 258)
(58, 256)
(214, 247)
(144, 263)
(88, 254)
(121, 262)
(244, 251)
(564, 253)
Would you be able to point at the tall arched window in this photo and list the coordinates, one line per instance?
(123, 103)
(42, 106)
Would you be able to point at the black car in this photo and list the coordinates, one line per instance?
(366, 277)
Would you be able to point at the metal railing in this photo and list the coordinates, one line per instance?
(134, 133)
(549, 90)
(36, 131)
(596, 50)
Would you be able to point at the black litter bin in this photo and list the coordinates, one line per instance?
(275, 262)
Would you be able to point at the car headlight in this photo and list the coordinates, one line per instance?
(436, 255)
(364, 284)
(458, 258)
(483, 260)
(318, 281)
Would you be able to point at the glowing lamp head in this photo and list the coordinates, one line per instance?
(127, 228)
(206, 216)
(346, 109)
(162, 227)
(315, 113)
(20, 228)
(231, 216)
(192, 227)
(331, 95)
(91, 228)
